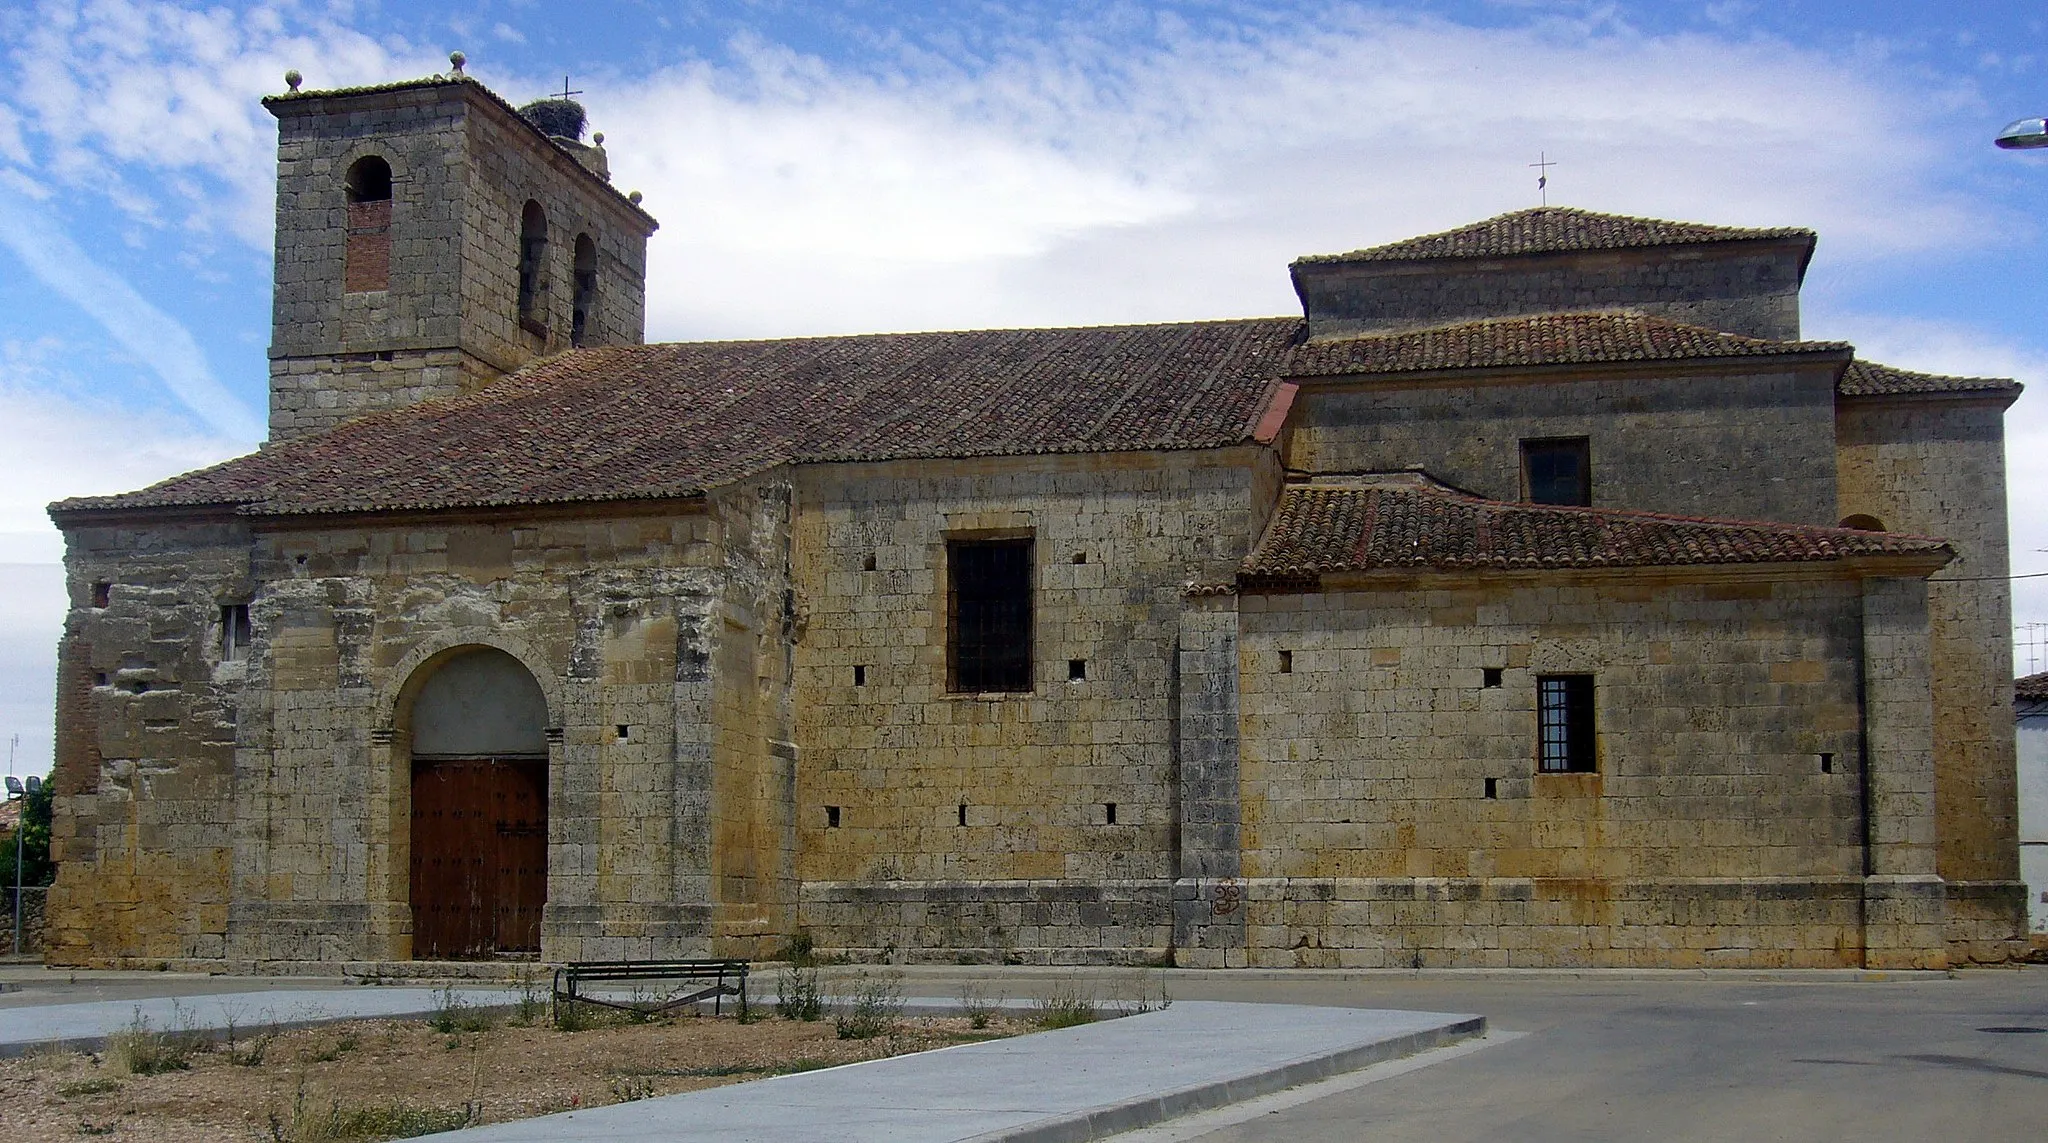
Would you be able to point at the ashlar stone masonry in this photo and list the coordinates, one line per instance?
(1537, 598)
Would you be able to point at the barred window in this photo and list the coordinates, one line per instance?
(988, 615)
(1564, 723)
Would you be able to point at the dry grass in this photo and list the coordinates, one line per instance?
(386, 1079)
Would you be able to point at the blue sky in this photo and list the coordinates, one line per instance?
(931, 165)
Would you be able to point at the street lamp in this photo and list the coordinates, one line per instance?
(2024, 134)
(18, 792)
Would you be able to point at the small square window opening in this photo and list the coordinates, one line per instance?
(624, 732)
(1080, 557)
(1489, 676)
(868, 564)
(1558, 471)
(1077, 670)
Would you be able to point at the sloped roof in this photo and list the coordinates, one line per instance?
(1407, 521)
(1869, 379)
(1541, 339)
(1553, 229)
(2032, 688)
(637, 422)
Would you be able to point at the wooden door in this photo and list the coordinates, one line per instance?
(479, 856)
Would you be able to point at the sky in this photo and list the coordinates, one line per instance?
(974, 163)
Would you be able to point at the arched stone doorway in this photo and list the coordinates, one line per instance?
(479, 808)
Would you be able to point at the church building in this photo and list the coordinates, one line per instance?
(1538, 596)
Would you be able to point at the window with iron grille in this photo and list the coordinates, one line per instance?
(988, 615)
(1564, 723)
(1558, 471)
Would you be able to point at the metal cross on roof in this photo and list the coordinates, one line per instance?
(1542, 164)
(566, 93)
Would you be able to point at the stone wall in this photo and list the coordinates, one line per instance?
(1749, 287)
(1685, 441)
(1722, 827)
(1037, 871)
(258, 810)
(148, 726)
(1936, 466)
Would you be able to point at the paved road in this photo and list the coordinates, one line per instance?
(1680, 1060)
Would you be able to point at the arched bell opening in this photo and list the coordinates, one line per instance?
(477, 722)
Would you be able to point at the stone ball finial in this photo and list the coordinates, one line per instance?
(456, 60)
(597, 138)
(293, 79)
(633, 197)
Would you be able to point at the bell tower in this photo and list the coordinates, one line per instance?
(431, 239)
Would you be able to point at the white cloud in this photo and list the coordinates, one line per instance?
(1080, 181)
(110, 93)
(144, 330)
(60, 447)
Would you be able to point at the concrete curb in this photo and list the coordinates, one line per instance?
(1115, 1118)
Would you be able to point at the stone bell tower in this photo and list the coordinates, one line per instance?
(431, 239)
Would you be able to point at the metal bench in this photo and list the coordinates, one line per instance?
(725, 977)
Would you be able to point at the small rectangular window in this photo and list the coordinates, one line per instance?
(1109, 813)
(963, 813)
(1558, 471)
(102, 594)
(1493, 787)
(831, 817)
(1564, 722)
(1286, 662)
(1489, 676)
(860, 676)
(234, 631)
(988, 611)
(1077, 670)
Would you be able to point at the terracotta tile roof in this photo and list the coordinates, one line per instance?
(673, 420)
(1541, 339)
(2032, 688)
(1869, 379)
(1408, 521)
(1550, 229)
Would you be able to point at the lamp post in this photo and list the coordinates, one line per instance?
(2024, 134)
(17, 791)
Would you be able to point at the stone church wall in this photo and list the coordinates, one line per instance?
(1937, 467)
(1750, 288)
(147, 731)
(1713, 833)
(258, 810)
(1686, 443)
(1037, 872)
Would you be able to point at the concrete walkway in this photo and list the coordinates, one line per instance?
(86, 1026)
(1051, 1087)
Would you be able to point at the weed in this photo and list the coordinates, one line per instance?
(533, 1001)
(88, 1127)
(347, 1124)
(626, 1089)
(140, 1051)
(1144, 992)
(979, 1008)
(1067, 1005)
(877, 1005)
(453, 1012)
(251, 1055)
(336, 1050)
(89, 1087)
(796, 994)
